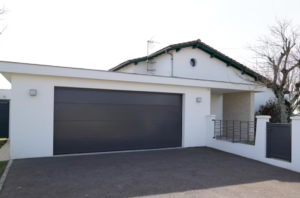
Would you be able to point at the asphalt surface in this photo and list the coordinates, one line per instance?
(193, 172)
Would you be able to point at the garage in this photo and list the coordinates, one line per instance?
(92, 120)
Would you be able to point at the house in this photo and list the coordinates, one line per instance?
(196, 60)
(59, 110)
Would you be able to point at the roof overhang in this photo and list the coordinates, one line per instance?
(7, 76)
(11, 68)
(199, 45)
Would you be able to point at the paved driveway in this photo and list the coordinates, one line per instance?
(194, 172)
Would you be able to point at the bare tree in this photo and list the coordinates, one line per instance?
(3, 10)
(278, 60)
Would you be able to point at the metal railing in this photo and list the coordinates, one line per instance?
(235, 131)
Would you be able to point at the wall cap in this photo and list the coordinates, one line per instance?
(211, 116)
(295, 118)
(263, 117)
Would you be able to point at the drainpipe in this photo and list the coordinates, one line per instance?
(171, 62)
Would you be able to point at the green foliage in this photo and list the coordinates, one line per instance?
(272, 109)
(2, 167)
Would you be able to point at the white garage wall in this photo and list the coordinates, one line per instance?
(31, 131)
(5, 94)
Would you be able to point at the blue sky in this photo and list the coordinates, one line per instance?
(101, 34)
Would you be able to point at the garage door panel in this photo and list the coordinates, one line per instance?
(64, 111)
(65, 129)
(4, 119)
(69, 95)
(89, 120)
(87, 145)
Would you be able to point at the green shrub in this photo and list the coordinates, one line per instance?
(272, 109)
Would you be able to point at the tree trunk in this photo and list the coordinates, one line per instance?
(283, 109)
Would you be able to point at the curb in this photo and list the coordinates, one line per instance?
(2, 180)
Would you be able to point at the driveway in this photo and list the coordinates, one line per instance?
(193, 172)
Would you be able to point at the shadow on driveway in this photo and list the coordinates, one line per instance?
(192, 172)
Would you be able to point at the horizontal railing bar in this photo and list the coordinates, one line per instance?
(234, 130)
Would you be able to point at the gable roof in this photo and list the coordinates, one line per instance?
(195, 44)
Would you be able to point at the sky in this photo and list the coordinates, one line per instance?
(101, 34)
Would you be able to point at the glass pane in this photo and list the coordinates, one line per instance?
(192, 62)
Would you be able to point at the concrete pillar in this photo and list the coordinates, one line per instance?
(296, 143)
(210, 129)
(261, 135)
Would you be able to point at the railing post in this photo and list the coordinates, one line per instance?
(233, 131)
(226, 131)
(240, 131)
(248, 131)
(210, 129)
(226, 128)
(214, 129)
(221, 134)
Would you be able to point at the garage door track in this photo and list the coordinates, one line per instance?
(193, 172)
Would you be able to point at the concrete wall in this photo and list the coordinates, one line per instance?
(262, 97)
(216, 106)
(31, 127)
(238, 106)
(258, 151)
(5, 94)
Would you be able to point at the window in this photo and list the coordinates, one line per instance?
(193, 62)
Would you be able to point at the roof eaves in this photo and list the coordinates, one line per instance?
(202, 46)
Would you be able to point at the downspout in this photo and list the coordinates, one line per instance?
(171, 61)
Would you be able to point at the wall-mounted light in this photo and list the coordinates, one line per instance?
(199, 99)
(32, 92)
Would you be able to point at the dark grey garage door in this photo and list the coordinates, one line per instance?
(4, 119)
(90, 120)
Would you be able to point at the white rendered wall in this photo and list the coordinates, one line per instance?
(216, 106)
(257, 151)
(262, 97)
(207, 68)
(127, 69)
(5, 94)
(31, 127)
(161, 65)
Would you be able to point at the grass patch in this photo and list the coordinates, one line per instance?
(2, 167)
(2, 142)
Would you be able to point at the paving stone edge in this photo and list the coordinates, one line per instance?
(2, 180)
